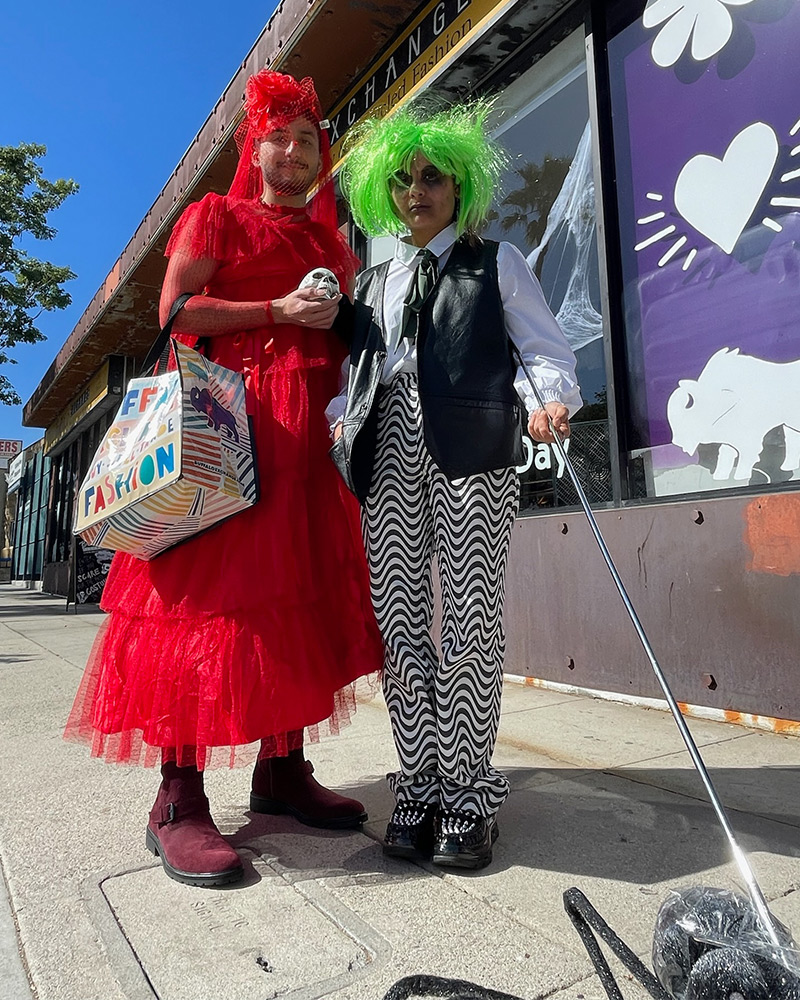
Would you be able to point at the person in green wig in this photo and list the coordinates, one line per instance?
(428, 435)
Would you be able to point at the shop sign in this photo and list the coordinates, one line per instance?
(88, 572)
(104, 388)
(543, 457)
(8, 451)
(14, 477)
(433, 38)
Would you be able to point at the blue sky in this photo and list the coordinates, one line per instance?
(116, 91)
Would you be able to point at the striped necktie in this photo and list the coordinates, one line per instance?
(422, 282)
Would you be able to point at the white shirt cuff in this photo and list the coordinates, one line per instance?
(334, 411)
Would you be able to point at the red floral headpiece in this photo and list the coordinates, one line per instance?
(273, 100)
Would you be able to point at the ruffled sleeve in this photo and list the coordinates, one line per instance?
(200, 233)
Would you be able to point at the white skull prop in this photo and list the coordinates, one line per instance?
(323, 280)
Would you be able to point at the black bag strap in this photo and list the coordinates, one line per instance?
(586, 919)
(447, 989)
(162, 340)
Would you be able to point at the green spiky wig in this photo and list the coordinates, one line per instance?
(454, 139)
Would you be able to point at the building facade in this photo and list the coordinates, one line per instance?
(654, 187)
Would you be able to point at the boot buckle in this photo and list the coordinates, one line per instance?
(166, 814)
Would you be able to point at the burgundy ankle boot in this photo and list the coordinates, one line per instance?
(182, 833)
(287, 785)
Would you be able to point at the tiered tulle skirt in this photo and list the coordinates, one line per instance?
(229, 645)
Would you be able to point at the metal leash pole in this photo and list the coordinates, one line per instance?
(753, 888)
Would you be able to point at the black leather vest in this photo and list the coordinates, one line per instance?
(472, 416)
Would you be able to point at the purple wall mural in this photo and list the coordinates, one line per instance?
(706, 100)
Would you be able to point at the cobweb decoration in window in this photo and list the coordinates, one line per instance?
(573, 216)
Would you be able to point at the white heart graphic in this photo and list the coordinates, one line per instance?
(718, 197)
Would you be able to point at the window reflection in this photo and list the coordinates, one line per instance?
(547, 209)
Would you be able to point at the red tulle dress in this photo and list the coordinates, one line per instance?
(248, 634)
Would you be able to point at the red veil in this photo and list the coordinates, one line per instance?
(272, 101)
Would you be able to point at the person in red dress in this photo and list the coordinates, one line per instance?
(227, 647)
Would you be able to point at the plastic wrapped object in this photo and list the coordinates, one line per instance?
(709, 944)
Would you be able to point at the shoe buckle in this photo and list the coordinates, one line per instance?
(171, 812)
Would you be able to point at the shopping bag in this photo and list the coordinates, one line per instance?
(177, 459)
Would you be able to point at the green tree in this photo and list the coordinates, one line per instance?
(28, 286)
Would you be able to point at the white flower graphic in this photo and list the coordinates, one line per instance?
(707, 23)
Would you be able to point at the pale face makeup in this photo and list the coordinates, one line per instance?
(425, 199)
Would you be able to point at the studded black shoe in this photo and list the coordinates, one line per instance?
(410, 831)
(463, 839)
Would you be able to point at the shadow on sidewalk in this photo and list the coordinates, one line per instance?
(641, 826)
(638, 828)
(19, 602)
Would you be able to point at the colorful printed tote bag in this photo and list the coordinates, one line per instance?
(177, 459)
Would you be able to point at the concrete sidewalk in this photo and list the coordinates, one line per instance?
(602, 798)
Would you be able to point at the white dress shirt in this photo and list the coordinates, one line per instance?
(529, 324)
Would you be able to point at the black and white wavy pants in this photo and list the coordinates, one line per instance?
(444, 712)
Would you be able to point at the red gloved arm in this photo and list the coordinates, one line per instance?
(204, 316)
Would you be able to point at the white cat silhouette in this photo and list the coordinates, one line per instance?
(736, 400)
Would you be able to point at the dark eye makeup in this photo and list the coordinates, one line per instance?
(430, 176)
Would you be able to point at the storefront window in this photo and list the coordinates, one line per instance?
(29, 528)
(61, 492)
(547, 209)
(706, 123)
